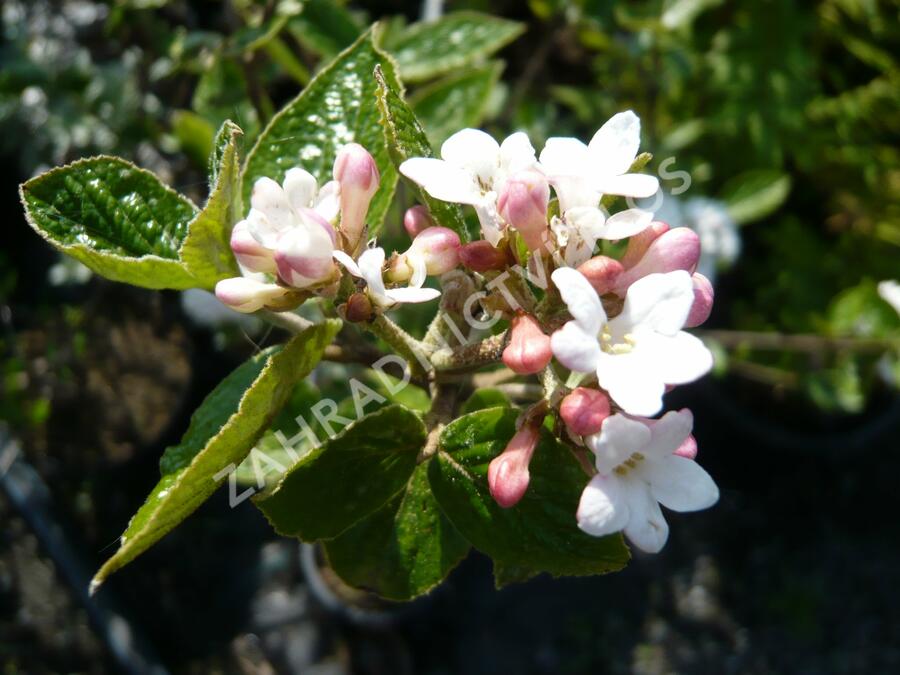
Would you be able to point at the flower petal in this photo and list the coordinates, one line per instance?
(680, 484)
(575, 349)
(632, 382)
(565, 157)
(412, 294)
(419, 268)
(637, 185)
(668, 432)
(678, 359)
(371, 263)
(619, 438)
(300, 188)
(474, 151)
(442, 180)
(347, 262)
(626, 224)
(268, 197)
(601, 510)
(615, 145)
(647, 528)
(516, 153)
(581, 299)
(657, 302)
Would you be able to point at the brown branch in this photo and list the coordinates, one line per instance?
(796, 342)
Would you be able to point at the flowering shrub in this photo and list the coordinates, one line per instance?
(397, 493)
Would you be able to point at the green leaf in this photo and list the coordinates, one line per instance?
(324, 27)
(406, 138)
(221, 433)
(117, 219)
(456, 102)
(347, 477)
(539, 534)
(486, 398)
(194, 134)
(454, 41)
(753, 195)
(402, 550)
(336, 108)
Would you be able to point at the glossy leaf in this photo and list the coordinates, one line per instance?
(456, 102)
(324, 27)
(406, 138)
(336, 108)
(222, 431)
(539, 534)
(347, 477)
(487, 397)
(402, 550)
(753, 195)
(454, 41)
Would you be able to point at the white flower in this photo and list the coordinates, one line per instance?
(276, 209)
(581, 227)
(889, 291)
(369, 267)
(637, 353)
(473, 170)
(638, 471)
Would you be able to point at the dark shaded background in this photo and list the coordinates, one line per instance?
(796, 570)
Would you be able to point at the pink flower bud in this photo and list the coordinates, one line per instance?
(584, 410)
(249, 252)
(523, 204)
(637, 245)
(355, 170)
(677, 249)
(602, 273)
(508, 475)
(303, 254)
(439, 246)
(480, 256)
(688, 449)
(703, 301)
(359, 308)
(247, 295)
(528, 350)
(416, 219)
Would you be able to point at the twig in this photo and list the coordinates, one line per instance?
(471, 356)
(797, 342)
(292, 323)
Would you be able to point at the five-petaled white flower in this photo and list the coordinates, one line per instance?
(637, 471)
(473, 170)
(638, 352)
(370, 266)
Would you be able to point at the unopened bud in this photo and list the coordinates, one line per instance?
(303, 254)
(358, 308)
(703, 301)
(249, 252)
(508, 475)
(355, 170)
(416, 219)
(529, 349)
(602, 272)
(638, 244)
(584, 410)
(439, 246)
(523, 204)
(677, 249)
(247, 295)
(688, 449)
(480, 256)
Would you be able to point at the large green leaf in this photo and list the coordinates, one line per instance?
(406, 138)
(456, 40)
(347, 477)
(222, 432)
(539, 534)
(456, 101)
(336, 108)
(755, 194)
(324, 27)
(404, 549)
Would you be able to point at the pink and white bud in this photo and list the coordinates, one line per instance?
(355, 170)
(251, 254)
(602, 272)
(269, 198)
(248, 295)
(529, 349)
(303, 254)
(416, 220)
(300, 188)
(703, 301)
(523, 204)
(638, 244)
(584, 410)
(677, 249)
(508, 475)
(439, 246)
(480, 256)
(688, 449)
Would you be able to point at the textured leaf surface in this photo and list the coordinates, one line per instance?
(221, 433)
(456, 40)
(539, 534)
(406, 138)
(404, 549)
(456, 102)
(347, 477)
(336, 108)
